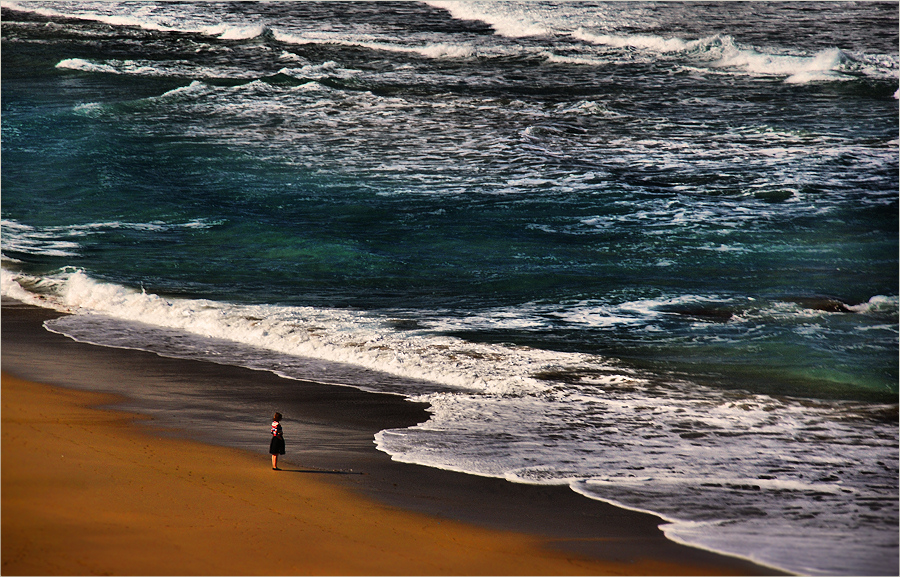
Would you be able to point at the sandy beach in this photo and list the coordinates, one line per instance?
(100, 483)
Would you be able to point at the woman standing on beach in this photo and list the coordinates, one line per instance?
(276, 446)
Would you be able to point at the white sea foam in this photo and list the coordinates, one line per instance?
(86, 66)
(337, 336)
(370, 341)
(285, 55)
(188, 17)
(64, 241)
(643, 41)
(565, 59)
(722, 52)
(609, 432)
(150, 68)
(22, 238)
(797, 69)
(597, 26)
(509, 20)
(235, 32)
(97, 11)
(878, 304)
(388, 44)
(328, 69)
(612, 441)
(191, 90)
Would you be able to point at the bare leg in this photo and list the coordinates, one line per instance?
(274, 461)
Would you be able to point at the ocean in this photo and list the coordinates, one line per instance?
(645, 250)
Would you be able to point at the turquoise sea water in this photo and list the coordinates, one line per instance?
(646, 250)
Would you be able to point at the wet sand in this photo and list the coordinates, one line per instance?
(171, 482)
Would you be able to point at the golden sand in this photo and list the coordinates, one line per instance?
(87, 491)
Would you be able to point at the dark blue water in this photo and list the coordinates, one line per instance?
(575, 215)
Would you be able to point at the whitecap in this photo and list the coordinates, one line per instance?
(643, 41)
(235, 32)
(86, 66)
(508, 20)
(878, 304)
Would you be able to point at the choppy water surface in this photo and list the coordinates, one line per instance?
(646, 250)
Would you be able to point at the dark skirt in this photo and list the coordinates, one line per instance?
(276, 447)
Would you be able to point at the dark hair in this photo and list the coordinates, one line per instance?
(277, 416)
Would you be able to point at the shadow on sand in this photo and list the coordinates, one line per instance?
(319, 472)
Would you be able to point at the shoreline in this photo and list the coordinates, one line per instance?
(329, 429)
(155, 510)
